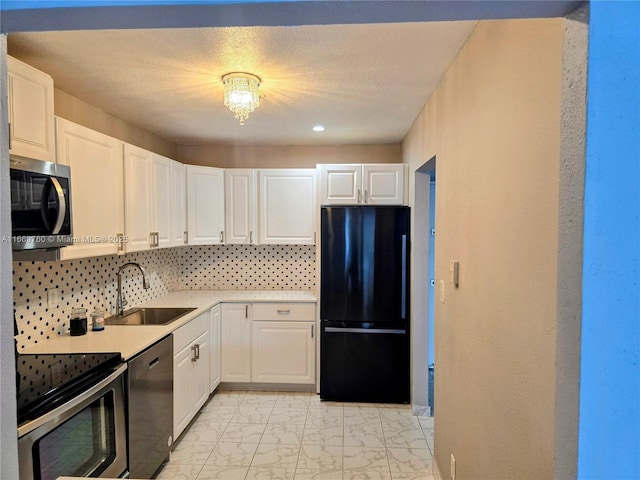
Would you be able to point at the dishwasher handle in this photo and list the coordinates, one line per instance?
(154, 362)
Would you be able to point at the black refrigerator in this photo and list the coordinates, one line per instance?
(364, 304)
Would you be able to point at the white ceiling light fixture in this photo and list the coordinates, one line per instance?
(318, 128)
(241, 93)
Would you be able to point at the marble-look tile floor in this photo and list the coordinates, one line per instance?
(295, 436)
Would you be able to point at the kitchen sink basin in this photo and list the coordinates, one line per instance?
(148, 316)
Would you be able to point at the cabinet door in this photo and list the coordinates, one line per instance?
(287, 206)
(240, 205)
(96, 186)
(216, 354)
(178, 204)
(161, 199)
(236, 342)
(205, 205)
(383, 184)
(31, 116)
(283, 352)
(137, 198)
(201, 373)
(340, 184)
(183, 404)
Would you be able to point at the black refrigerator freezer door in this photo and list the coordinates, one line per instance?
(364, 265)
(364, 365)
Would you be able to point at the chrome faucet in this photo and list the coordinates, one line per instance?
(121, 301)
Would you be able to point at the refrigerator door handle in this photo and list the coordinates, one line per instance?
(403, 312)
(393, 331)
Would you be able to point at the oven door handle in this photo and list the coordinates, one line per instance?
(53, 414)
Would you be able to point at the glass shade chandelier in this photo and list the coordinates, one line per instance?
(241, 94)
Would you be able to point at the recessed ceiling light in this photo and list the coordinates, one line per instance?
(318, 128)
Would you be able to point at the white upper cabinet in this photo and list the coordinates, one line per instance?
(341, 184)
(178, 204)
(240, 206)
(287, 206)
(369, 184)
(205, 205)
(31, 115)
(148, 199)
(161, 201)
(137, 199)
(383, 184)
(97, 199)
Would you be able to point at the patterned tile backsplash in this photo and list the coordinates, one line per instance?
(91, 282)
(239, 267)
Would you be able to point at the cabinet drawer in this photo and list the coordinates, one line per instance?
(284, 311)
(190, 331)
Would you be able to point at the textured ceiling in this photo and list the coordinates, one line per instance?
(365, 83)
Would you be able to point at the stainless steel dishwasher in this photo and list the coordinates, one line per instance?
(150, 413)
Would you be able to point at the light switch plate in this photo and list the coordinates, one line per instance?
(454, 272)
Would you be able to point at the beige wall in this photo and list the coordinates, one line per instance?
(78, 111)
(287, 156)
(494, 126)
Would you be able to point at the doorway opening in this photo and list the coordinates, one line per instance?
(423, 285)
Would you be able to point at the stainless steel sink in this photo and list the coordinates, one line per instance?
(148, 316)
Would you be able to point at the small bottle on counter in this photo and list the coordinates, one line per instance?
(78, 322)
(97, 320)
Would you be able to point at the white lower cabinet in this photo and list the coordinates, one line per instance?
(268, 343)
(236, 342)
(216, 346)
(283, 352)
(191, 363)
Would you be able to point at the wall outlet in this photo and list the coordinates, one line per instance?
(53, 298)
(453, 467)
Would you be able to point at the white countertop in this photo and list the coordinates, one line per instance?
(129, 340)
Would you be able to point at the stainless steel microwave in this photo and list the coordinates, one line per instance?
(40, 205)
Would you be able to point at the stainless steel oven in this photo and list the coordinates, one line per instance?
(77, 427)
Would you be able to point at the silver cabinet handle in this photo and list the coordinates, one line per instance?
(366, 196)
(221, 236)
(283, 312)
(9, 135)
(197, 351)
(157, 237)
(246, 311)
(312, 330)
(151, 240)
(251, 236)
(185, 236)
(193, 349)
(120, 242)
(359, 196)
